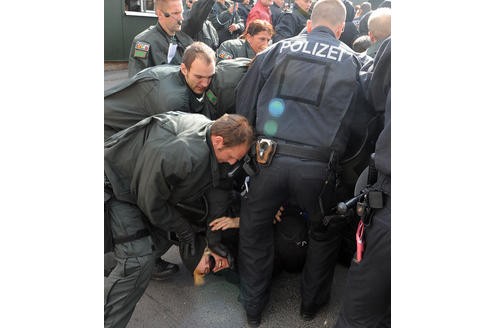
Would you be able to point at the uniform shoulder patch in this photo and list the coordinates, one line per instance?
(224, 55)
(141, 49)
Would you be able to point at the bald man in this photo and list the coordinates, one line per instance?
(379, 28)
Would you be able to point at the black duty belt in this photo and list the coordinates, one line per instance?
(301, 151)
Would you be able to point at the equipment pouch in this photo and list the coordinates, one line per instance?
(265, 149)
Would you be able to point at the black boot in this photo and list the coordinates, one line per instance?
(163, 269)
(253, 321)
(308, 313)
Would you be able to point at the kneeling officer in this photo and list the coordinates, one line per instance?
(150, 167)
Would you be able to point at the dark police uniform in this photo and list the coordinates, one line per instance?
(276, 13)
(228, 73)
(198, 27)
(290, 23)
(235, 48)
(306, 88)
(150, 167)
(152, 91)
(150, 48)
(221, 18)
(367, 296)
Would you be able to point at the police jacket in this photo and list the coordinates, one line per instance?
(162, 160)
(227, 76)
(152, 91)
(221, 18)
(235, 48)
(198, 27)
(306, 86)
(150, 48)
(276, 14)
(290, 23)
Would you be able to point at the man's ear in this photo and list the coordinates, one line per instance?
(217, 141)
(372, 37)
(183, 69)
(308, 25)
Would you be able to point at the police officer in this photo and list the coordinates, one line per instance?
(163, 43)
(291, 22)
(367, 295)
(300, 94)
(226, 19)
(277, 8)
(196, 24)
(163, 88)
(150, 167)
(255, 39)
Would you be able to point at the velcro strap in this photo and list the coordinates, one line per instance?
(139, 234)
(307, 152)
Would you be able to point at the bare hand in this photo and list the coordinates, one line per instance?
(224, 223)
(233, 28)
(278, 216)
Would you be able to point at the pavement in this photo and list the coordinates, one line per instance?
(176, 302)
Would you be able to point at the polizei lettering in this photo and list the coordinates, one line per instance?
(316, 49)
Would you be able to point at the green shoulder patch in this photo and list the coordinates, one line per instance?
(211, 96)
(141, 49)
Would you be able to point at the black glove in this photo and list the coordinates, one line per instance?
(187, 240)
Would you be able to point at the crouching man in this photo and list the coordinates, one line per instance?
(150, 167)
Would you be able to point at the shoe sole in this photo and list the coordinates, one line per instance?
(163, 276)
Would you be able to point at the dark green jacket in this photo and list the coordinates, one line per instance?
(152, 91)
(228, 74)
(162, 160)
(163, 88)
(150, 48)
(235, 48)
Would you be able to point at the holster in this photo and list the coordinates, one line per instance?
(265, 149)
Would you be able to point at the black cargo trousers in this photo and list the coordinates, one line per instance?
(367, 298)
(300, 181)
(128, 280)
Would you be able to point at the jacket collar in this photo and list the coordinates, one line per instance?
(321, 30)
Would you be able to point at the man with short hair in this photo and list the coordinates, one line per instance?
(261, 10)
(150, 167)
(163, 43)
(255, 39)
(292, 22)
(300, 95)
(379, 28)
(163, 88)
